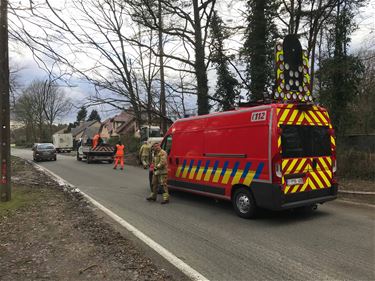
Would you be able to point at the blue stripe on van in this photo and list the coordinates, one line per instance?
(234, 171)
(246, 170)
(259, 170)
(206, 167)
(224, 168)
(191, 165)
(198, 166)
(183, 166)
(215, 167)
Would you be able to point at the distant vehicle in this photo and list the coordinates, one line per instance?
(151, 134)
(63, 142)
(44, 151)
(102, 152)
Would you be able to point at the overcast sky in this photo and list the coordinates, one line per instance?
(362, 38)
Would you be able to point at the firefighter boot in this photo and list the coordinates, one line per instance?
(152, 197)
(165, 198)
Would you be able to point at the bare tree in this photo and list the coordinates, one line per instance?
(41, 103)
(188, 22)
(87, 38)
(56, 104)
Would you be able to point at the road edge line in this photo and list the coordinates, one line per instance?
(174, 260)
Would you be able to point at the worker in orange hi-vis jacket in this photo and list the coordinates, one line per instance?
(95, 140)
(119, 156)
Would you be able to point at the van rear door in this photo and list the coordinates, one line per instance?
(306, 150)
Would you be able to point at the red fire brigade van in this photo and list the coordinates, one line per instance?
(274, 156)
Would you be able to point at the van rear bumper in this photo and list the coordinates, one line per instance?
(270, 196)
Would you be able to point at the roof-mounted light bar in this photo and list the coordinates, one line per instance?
(292, 72)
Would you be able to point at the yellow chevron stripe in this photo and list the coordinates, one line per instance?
(226, 176)
(326, 181)
(279, 142)
(322, 117)
(178, 172)
(321, 163)
(300, 119)
(290, 106)
(284, 115)
(304, 186)
(315, 108)
(299, 167)
(295, 188)
(333, 141)
(184, 174)
(237, 177)
(329, 160)
(286, 189)
(217, 175)
(192, 173)
(318, 181)
(249, 178)
(293, 116)
(208, 174)
(290, 168)
(308, 119)
(313, 114)
(313, 187)
(284, 163)
(199, 174)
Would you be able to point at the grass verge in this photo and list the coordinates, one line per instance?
(21, 197)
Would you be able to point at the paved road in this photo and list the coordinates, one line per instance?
(336, 242)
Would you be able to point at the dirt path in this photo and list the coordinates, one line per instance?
(47, 234)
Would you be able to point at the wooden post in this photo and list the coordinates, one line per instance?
(5, 176)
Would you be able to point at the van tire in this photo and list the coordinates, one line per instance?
(244, 203)
(89, 160)
(79, 158)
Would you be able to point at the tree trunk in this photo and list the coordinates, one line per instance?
(162, 83)
(200, 67)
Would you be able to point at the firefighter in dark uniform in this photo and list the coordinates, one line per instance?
(160, 162)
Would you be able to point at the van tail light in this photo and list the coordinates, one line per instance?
(278, 170)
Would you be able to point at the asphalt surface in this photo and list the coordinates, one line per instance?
(336, 242)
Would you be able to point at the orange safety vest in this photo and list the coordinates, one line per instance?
(120, 150)
(95, 141)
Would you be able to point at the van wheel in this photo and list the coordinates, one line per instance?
(244, 203)
(89, 160)
(78, 158)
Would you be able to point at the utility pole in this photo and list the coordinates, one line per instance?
(5, 190)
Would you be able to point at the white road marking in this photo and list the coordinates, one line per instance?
(178, 263)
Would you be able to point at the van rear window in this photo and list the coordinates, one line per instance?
(305, 141)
